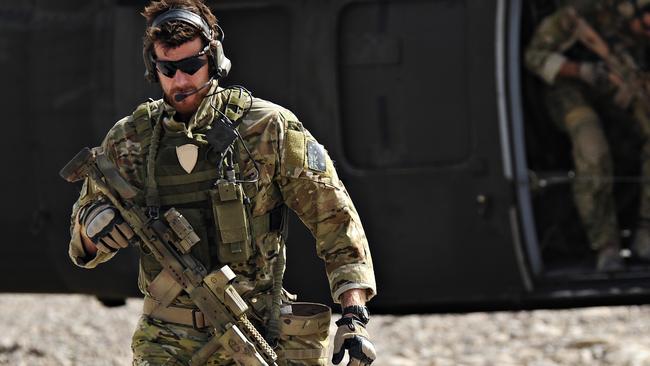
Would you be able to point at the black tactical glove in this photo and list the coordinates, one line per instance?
(595, 74)
(352, 336)
(105, 226)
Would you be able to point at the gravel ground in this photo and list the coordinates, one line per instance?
(57, 330)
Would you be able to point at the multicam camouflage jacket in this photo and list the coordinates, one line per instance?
(555, 40)
(294, 170)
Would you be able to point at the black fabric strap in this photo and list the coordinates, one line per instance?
(184, 16)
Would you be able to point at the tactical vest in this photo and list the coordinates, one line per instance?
(218, 212)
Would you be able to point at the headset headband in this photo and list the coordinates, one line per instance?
(220, 64)
(187, 17)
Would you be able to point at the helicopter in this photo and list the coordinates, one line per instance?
(423, 105)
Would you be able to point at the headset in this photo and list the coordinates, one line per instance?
(219, 63)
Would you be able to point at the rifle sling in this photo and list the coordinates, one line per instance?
(115, 180)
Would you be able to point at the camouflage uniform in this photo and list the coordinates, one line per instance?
(294, 171)
(577, 109)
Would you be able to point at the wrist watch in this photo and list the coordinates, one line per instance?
(360, 312)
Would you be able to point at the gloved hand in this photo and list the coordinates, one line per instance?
(105, 227)
(352, 336)
(595, 74)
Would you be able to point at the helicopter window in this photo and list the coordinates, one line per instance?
(387, 52)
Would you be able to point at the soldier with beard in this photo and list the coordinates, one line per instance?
(173, 152)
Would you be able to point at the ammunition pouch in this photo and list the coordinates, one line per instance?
(235, 227)
(178, 232)
(185, 237)
(232, 224)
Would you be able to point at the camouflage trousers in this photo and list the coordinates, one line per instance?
(303, 340)
(572, 108)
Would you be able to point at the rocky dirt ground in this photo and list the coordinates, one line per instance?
(67, 330)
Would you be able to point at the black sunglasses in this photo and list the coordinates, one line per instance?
(189, 65)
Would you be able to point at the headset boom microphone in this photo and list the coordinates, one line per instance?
(179, 97)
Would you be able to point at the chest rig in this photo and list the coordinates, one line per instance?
(213, 196)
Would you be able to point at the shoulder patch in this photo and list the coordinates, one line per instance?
(294, 153)
(316, 156)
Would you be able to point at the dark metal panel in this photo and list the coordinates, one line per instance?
(130, 88)
(441, 231)
(259, 45)
(57, 54)
(432, 242)
(25, 210)
(404, 84)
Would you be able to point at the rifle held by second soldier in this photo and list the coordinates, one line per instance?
(631, 82)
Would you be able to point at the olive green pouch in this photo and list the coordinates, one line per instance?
(231, 219)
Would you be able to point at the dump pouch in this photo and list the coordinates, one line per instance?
(304, 318)
(231, 219)
(304, 329)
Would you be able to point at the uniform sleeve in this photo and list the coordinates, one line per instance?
(553, 35)
(311, 188)
(119, 149)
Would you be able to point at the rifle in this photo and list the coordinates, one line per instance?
(631, 82)
(170, 241)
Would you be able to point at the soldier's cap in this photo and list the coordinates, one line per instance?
(628, 10)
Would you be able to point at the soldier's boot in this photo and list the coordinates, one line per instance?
(609, 259)
(641, 243)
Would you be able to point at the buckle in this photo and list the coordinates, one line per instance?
(196, 316)
(153, 212)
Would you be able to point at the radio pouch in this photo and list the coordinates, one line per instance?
(231, 221)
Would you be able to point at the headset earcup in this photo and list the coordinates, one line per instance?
(221, 63)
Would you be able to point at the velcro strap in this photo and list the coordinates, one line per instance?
(190, 317)
(294, 152)
(115, 180)
(302, 354)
